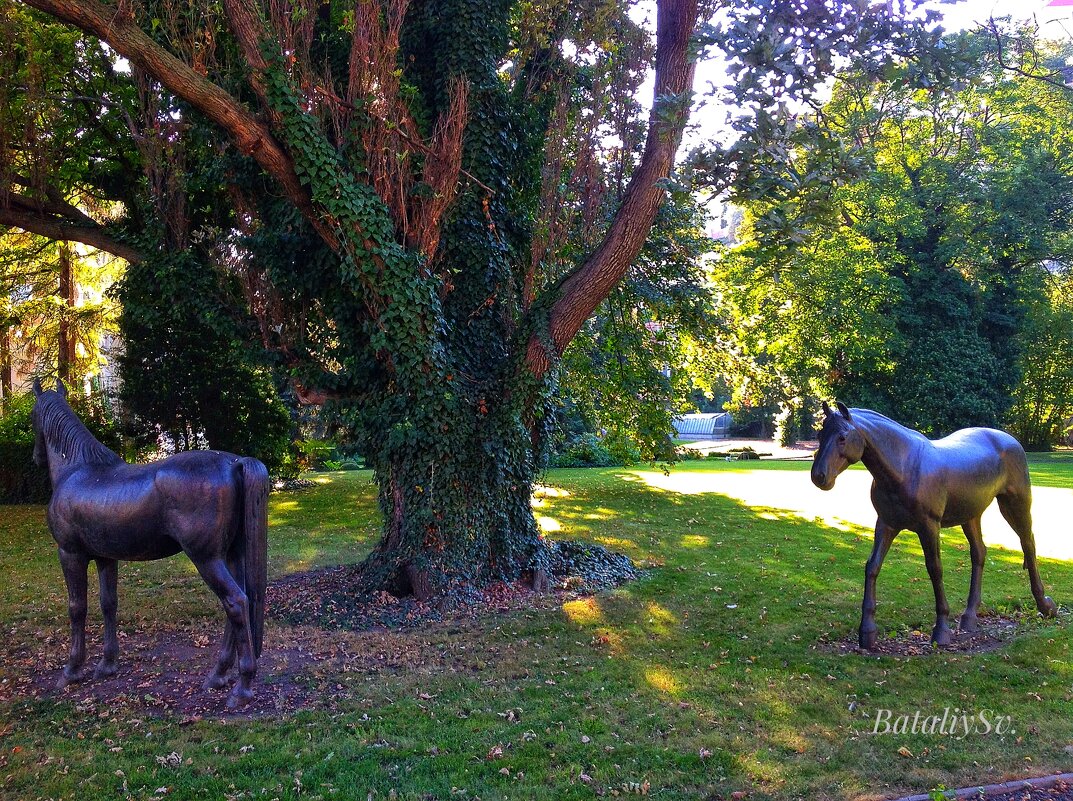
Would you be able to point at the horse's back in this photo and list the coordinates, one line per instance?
(976, 465)
(186, 502)
(982, 452)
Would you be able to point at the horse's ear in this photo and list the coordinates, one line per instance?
(37, 388)
(842, 408)
(61, 388)
(826, 408)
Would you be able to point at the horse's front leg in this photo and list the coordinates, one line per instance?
(977, 553)
(236, 607)
(108, 578)
(75, 567)
(885, 535)
(929, 542)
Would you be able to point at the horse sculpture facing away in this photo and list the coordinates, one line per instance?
(210, 505)
(921, 485)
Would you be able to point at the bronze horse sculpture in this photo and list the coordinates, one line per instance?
(924, 485)
(210, 505)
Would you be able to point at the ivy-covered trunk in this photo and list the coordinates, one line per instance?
(455, 492)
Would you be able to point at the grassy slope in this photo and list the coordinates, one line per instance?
(701, 679)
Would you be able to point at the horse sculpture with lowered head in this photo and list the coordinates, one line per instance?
(210, 505)
(924, 485)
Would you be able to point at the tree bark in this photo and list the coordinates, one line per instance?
(590, 284)
(65, 359)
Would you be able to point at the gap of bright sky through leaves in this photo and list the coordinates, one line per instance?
(709, 118)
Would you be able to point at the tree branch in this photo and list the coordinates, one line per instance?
(117, 28)
(578, 296)
(64, 230)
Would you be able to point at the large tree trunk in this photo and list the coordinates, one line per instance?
(465, 356)
(455, 485)
(5, 363)
(66, 354)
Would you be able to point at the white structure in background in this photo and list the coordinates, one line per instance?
(711, 425)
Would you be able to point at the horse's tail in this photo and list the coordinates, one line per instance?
(255, 544)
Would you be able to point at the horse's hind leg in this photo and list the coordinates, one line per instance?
(108, 578)
(236, 607)
(977, 552)
(929, 542)
(217, 679)
(75, 567)
(1017, 509)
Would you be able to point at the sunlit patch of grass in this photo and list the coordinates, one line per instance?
(584, 611)
(549, 524)
(663, 680)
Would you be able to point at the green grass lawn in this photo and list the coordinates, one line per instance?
(708, 676)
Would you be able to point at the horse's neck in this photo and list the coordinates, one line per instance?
(60, 463)
(888, 449)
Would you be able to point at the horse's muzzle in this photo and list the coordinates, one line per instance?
(822, 480)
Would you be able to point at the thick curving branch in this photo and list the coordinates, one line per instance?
(253, 137)
(21, 213)
(577, 297)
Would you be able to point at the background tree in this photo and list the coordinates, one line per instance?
(961, 187)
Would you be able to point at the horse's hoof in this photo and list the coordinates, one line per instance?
(867, 638)
(240, 696)
(1048, 608)
(69, 677)
(969, 623)
(215, 681)
(941, 635)
(104, 670)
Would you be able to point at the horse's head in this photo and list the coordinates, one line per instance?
(40, 447)
(841, 445)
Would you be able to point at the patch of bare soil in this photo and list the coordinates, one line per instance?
(332, 597)
(160, 673)
(302, 666)
(994, 632)
(1060, 791)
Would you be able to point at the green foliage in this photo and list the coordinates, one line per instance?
(628, 371)
(1043, 402)
(904, 289)
(587, 450)
(423, 355)
(189, 370)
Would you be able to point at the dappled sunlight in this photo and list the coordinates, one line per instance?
(600, 513)
(548, 524)
(660, 613)
(617, 543)
(548, 491)
(695, 541)
(584, 611)
(662, 679)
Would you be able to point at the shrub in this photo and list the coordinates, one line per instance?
(584, 451)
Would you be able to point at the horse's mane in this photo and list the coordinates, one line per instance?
(65, 432)
(884, 418)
